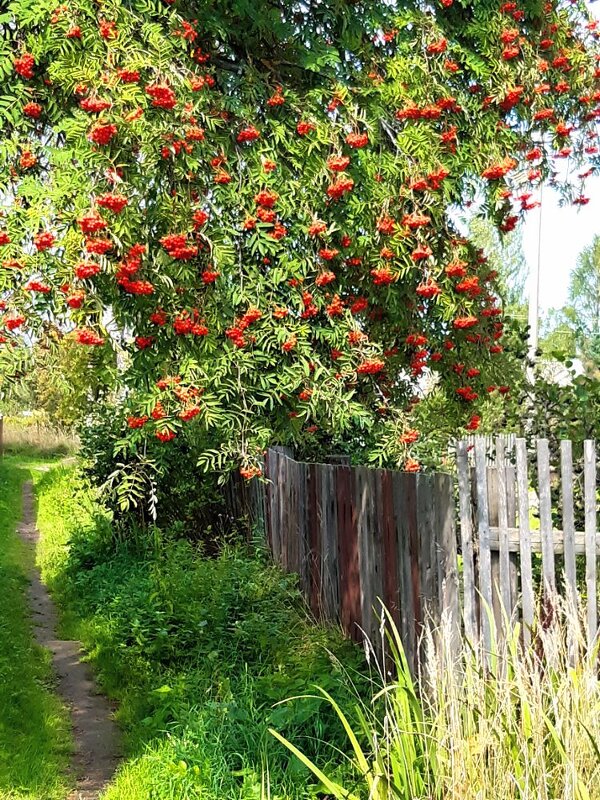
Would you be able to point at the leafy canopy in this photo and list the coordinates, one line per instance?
(251, 201)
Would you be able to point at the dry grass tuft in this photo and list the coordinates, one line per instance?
(33, 435)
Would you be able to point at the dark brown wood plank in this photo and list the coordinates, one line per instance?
(275, 505)
(426, 544)
(448, 611)
(364, 503)
(329, 544)
(350, 585)
(377, 570)
(390, 547)
(284, 508)
(415, 554)
(314, 541)
(303, 546)
(268, 490)
(405, 589)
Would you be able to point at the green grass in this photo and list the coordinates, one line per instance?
(199, 652)
(35, 740)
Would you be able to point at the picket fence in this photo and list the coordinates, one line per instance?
(506, 527)
(357, 537)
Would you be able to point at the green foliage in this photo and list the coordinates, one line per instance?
(558, 335)
(35, 740)
(584, 302)
(561, 403)
(574, 330)
(153, 484)
(198, 651)
(506, 256)
(279, 331)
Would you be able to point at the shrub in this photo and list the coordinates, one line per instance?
(154, 484)
(198, 651)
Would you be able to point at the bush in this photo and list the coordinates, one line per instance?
(199, 652)
(158, 484)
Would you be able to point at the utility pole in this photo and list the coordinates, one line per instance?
(534, 300)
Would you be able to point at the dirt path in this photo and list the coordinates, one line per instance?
(95, 733)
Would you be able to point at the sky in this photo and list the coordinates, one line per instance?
(565, 231)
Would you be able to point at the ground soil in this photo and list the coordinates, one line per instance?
(95, 733)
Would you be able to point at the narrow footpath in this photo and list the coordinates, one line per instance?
(94, 730)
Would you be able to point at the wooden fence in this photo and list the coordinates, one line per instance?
(503, 535)
(490, 447)
(356, 535)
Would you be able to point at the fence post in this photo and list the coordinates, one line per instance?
(590, 538)
(543, 455)
(466, 540)
(485, 561)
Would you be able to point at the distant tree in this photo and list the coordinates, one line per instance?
(62, 379)
(584, 302)
(574, 329)
(558, 334)
(506, 256)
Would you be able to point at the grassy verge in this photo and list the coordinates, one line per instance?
(25, 437)
(34, 729)
(199, 652)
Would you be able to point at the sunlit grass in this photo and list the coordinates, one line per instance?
(35, 740)
(512, 725)
(24, 437)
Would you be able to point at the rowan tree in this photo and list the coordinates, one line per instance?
(253, 200)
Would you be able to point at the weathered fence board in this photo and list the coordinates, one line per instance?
(543, 459)
(504, 565)
(359, 538)
(387, 521)
(503, 543)
(466, 540)
(447, 556)
(404, 513)
(485, 557)
(524, 540)
(350, 573)
(589, 475)
(568, 519)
